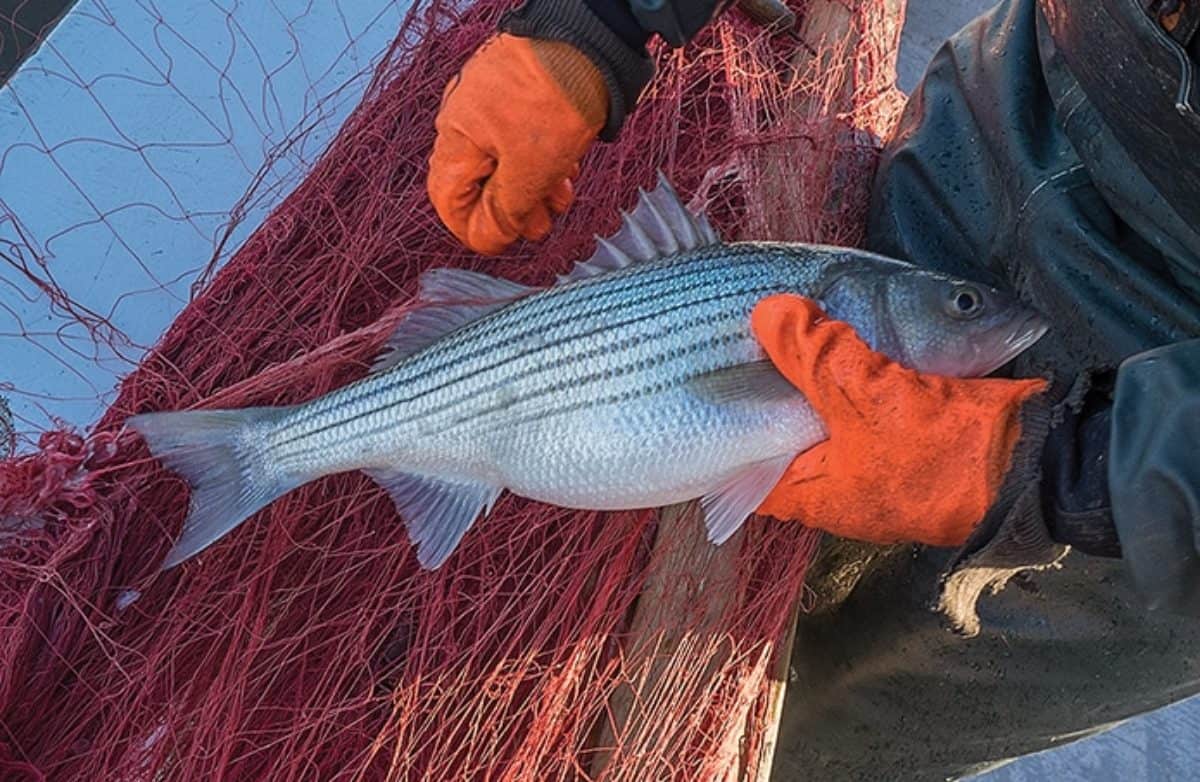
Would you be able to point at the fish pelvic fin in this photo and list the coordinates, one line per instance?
(728, 507)
(437, 512)
(223, 457)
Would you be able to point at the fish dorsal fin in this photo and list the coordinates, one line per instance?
(446, 300)
(660, 225)
(460, 285)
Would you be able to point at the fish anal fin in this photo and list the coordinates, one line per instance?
(660, 225)
(728, 507)
(754, 382)
(437, 512)
(447, 299)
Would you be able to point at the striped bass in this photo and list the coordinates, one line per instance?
(634, 382)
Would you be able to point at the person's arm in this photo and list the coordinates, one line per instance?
(914, 458)
(516, 121)
(981, 179)
(1154, 473)
(613, 35)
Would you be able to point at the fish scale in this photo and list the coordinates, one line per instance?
(635, 382)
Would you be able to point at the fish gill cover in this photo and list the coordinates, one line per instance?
(309, 644)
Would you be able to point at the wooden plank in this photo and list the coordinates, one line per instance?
(772, 14)
(682, 604)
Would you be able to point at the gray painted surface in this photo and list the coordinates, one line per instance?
(1165, 744)
(1162, 745)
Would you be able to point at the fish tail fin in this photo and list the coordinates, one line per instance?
(224, 458)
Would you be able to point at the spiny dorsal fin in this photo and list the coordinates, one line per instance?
(447, 299)
(660, 225)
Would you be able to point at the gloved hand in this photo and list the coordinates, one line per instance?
(909, 458)
(510, 133)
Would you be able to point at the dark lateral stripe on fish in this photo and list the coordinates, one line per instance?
(607, 374)
(621, 348)
(549, 391)
(471, 332)
(370, 385)
(758, 289)
(508, 379)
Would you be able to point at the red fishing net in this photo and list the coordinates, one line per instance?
(308, 644)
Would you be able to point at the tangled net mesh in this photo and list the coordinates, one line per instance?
(309, 644)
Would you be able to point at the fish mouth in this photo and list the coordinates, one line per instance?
(1020, 336)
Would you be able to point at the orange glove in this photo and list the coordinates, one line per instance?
(510, 133)
(910, 457)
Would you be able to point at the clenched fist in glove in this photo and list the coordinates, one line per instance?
(511, 130)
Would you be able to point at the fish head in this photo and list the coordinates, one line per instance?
(936, 323)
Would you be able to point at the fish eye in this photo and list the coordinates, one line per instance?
(965, 302)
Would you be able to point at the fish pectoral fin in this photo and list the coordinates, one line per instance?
(447, 299)
(730, 505)
(755, 382)
(437, 512)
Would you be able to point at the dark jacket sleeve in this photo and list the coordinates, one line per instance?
(1154, 473)
(1001, 170)
(613, 35)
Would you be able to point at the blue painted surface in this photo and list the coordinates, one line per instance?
(126, 141)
